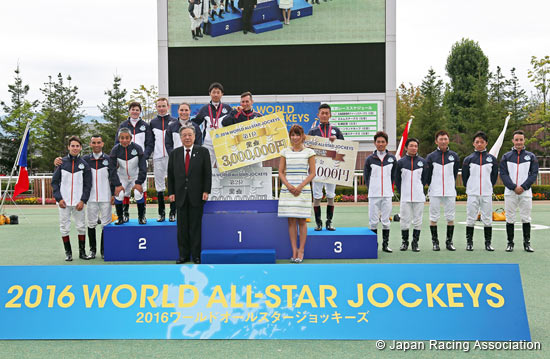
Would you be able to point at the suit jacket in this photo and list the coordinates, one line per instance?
(196, 182)
(241, 4)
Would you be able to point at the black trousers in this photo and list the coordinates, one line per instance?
(247, 18)
(189, 220)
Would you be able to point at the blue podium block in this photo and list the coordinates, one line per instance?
(255, 225)
(265, 12)
(154, 241)
(231, 22)
(238, 231)
(300, 9)
(238, 256)
(245, 225)
(264, 18)
(344, 242)
(267, 26)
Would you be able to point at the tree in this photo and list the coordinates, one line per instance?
(466, 97)
(498, 105)
(517, 101)
(13, 124)
(114, 113)
(429, 116)
(62, 118)
(408, 98)
(539, 76)
(147, 97)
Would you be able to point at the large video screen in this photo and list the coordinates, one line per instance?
(336, 46)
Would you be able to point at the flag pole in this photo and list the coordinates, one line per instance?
(15, 164)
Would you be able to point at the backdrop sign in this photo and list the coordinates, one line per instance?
(334, 160)
(358, 121)
(295, 113)
(247, 183)
(260, 301)
(250, 142)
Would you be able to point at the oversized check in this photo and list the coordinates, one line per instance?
(249, 142)
(334, 161)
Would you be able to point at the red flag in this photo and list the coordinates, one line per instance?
(22, 184)
(401, 147)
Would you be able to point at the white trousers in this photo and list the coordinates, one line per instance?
(101, 210)
(379, 211)
(65, 220)
(511, 204)
(160, 169)
(411, 212)
(477, 205)
(127, 185)
(330, 189)
(212, 155)
(448, 203)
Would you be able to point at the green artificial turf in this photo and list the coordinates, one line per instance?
(36, 241)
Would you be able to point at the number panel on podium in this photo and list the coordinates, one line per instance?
(131, 241)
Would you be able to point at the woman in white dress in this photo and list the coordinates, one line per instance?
(286, 6)
(296, 170)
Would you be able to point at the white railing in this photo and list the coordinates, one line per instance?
(274, 175)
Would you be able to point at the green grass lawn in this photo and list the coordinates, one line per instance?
(36, 241)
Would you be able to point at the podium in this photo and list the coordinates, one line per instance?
(154, 241)
(252, 225)
(236, 232)
(266, 17)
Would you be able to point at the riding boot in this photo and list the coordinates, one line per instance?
(435, 240)
(469, 239)
(172, 215)
(510, 237)
(68, 251)
(488, 232)
(162, 207)
(449, 241)
(92, 242)
(101, 245)
(318, 221)
(330, 214)
(416, 238)
(82, 247)
(385, 240)
(120, 214)
(404, 240)
(126, 211)
(141, 213)
(527, 237)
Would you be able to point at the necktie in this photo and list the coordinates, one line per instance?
(187, 158)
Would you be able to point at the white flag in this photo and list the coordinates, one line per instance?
(498, 143)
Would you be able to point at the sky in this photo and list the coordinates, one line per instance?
(93, 41)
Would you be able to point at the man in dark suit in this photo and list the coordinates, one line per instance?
(189, 183)
(247, 8)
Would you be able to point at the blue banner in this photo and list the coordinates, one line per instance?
(286, 301)
(300, 113)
